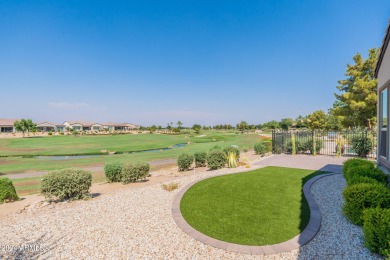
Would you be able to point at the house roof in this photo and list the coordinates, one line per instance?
(385, 43)
(113, 124)
(83, 123)
(7, 121)
(47, 124)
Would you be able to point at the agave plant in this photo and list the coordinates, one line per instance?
(232, 159)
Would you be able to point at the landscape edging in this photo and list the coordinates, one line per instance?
(296, 242)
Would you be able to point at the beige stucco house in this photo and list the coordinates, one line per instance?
(82, 125)
(7, 125)
(382, 72)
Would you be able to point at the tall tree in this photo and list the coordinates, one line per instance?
(356, 104)
(196, 128)
(316, 120)
(24, 125)
(286, 123)
(179, 124)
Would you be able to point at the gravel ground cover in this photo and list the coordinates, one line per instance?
(137, 223)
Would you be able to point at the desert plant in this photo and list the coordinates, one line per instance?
(49, 133)
(376, 230)
(245, 149)
(184, 162)
(259, 148)
(113, 171)
(200, 159)
(133, 172)
(233, 149)
(231, 159)
(293, 146)
(216, 159)
(7, 191)
(67, 184)
(361, 196)
(170, 186)
(362, 145)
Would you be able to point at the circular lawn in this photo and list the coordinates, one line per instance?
(260, 207)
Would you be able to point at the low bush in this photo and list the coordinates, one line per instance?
(184, 162)
(200, 159)
(376, 230)
(133, 172)
(365, 171)
(355, 162)
(7, 191)
(67, 184)
(61, 133)
(259, 148)
(216, 159)
(362, 145)
(50, 133)
(113, 171)
(356, 179)
(233, 149)
(170, 186)
(245, 149)
(361, 196)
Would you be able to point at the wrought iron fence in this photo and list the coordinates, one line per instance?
(342, 143)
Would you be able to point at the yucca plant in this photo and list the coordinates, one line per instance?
(293, 146)
(232, 159)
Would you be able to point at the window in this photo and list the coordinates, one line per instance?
(383, 123)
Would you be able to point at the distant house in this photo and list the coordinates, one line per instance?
(7, 125)
(382, 72)
(119, 126)
(46, 127)
(82, 125)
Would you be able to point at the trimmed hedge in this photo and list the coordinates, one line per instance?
(362, 196)
(216, 159)
(352, 163)
(356, 179)
(133, 172)
(365, 171)
(259, 148)
(376, 230)
(184, 162)
(200, 159)
(113, 171)
(67, 184)
(228, 149)
(7, 191)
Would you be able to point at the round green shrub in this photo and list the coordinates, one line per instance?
(259, 148)
(245, 149)
(67, 184)
(113, 171)
(7, 191)
(200, 159)
(216, 159)
(184, 162)
(132, 172)
(365, 171)
(362, 196)
(234, 149)
(355, 162)
(362, 145)
(376, 230)
(356, 179)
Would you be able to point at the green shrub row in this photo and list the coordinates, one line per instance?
(7, 191)
(126, 173)
(67, 184)
(367, 202)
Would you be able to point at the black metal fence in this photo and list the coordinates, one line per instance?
(341, 143)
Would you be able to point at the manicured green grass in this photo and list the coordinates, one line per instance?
(260, 207)
(204, 143)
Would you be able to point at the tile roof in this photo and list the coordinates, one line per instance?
(7, 121)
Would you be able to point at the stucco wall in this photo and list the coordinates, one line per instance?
(384, 71)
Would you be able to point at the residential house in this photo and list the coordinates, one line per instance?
(7, 125)
(382, 73)
(82, 125)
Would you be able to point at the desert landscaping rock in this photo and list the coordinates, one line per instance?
(137, 223)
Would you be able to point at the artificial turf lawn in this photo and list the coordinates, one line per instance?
(260, 207)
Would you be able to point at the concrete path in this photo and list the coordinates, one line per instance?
(309, 162)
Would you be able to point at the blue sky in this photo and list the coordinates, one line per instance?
(154, 62)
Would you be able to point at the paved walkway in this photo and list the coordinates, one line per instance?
(309, 162)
